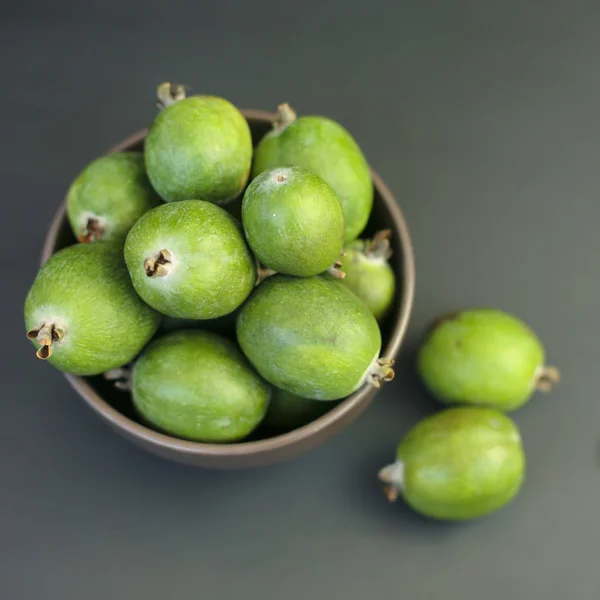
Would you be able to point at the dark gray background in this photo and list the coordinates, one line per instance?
(483, 117)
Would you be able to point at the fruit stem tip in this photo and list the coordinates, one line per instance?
(379, 246)
(546, 378)
(335, 270)
(285, 115)
(381, 371)
(46, 336)
(393, 478)
(168, 93)
(158, 266)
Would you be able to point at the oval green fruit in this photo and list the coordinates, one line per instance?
(324, 147)
(198, 147)
(486, 357)
(369, 274)
(109, 195)
(293, 221)
(312, 337)
(196, 385)
(288, 412)
(83, 313)
(190, 260)
(459, 464)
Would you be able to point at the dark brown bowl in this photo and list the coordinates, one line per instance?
(116, 409)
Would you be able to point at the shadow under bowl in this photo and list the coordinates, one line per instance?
(263, 446)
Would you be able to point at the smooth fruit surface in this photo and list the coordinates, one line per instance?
(326, 148)
(196, 385)
(482, 356)
(310, 336)
(83, 313)
(199, 147)
(189, 260)
(109, 195)
(462, 463)
(288, 412)
(293, 221)
(369, 275)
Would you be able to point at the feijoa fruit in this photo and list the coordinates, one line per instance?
(82, 312)
(486, 357)
(461, 463)
(293, 221)
(311, 336)
(190, 260)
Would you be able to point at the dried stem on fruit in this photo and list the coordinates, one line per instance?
(546, 378)
(264, 273)
(92, 231)
(335, 270)
(285, 115)
(160, 265)
(169, 93)
(381, 370)
(47, 335)
(120, 377)
(379, 246)
(393, 478)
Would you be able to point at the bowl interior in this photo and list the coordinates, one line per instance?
(384, 215)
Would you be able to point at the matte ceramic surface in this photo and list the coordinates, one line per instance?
(115, 407)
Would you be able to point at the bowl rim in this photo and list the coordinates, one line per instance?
(338, 413)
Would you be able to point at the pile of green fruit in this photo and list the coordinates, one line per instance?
(467, 461)
(214, 322)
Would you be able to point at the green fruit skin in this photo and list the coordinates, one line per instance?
(196, 385)
(213, 270)
(327, 149)
(481, 356)
(462, 463)
(371, 279)
(113, 189)
(288, 412)
(85, 290)
(199, 147)
(293, 221)
(309, 336)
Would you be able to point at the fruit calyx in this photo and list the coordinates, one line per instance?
(168, 93)
(545, 378)
(120, 377)
(284, 116)
(380, 370)
(263, 273)
(92, 231)
(335, 270)
(379, 247)
(393, 478)
(46, 336)
(159, 265)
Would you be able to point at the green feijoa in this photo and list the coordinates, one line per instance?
(312, 337)
(326, 148)
(369, 274)
(109, 195)
(484, 356)
(197, 147)
(83, 313)
(198, 386)
(461, 463)
(288, 412)
(293, 221)
(190, 260)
